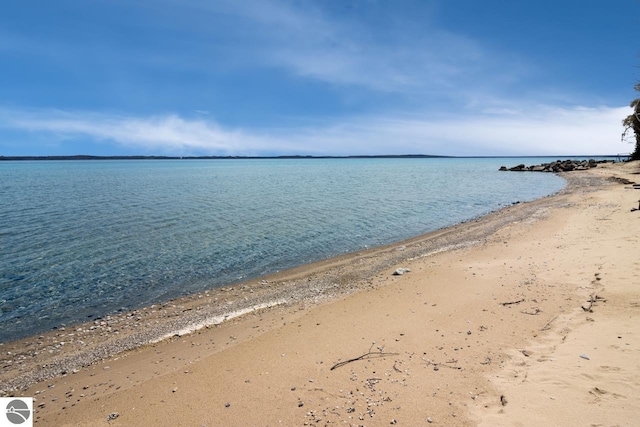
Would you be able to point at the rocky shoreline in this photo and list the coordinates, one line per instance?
(557, 166)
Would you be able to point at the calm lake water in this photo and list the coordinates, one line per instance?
(86, 238)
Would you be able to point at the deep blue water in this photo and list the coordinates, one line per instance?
(85, 238)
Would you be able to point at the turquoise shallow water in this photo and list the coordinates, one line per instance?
(79, 239)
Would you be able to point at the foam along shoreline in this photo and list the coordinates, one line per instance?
(69, 349)
(217, 320)
(446, 313)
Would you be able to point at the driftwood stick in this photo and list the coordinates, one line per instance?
(437, 365)
(369, 355)
(512, 302)
(447, 366)
(593, 298)
(591, 301)
(548, 324)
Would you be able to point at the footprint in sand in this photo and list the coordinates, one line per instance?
(599, 393)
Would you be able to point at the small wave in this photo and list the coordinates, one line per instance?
(216, 320)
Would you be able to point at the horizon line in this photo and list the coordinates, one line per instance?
(292, 156)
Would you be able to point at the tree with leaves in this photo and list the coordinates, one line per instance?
(632, 123)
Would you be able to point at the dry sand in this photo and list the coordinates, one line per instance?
(486, 329)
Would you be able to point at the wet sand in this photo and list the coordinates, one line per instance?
(486, 329)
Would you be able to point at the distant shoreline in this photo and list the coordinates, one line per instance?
(293, 157)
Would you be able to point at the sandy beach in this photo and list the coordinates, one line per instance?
(524, 317)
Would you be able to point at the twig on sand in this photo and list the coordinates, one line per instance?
(436, 365)
(368, 355)
(593, 298)
(532, 313)
(512, 302)
(548, 324)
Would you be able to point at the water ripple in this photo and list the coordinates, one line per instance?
(82, 239)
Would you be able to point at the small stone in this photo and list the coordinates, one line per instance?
(300, 404)
(112, 416)
(226, 405)
(429, 420)
(401, 271)
(503, 400)
(585, 357)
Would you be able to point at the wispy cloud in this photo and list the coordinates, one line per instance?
(385, 57)
(412, 56)
(166, 134)
(536, 131)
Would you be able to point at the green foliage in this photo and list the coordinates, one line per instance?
(632, 123)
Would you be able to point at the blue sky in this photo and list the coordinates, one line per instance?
(337, 77)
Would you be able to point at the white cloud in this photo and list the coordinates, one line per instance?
(168, 134)
(540, 131)
(537, 131)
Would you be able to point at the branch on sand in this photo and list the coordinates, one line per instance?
(512, 302)
(593, 298)
(368, 355)
(548, 324)
(436, 365)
